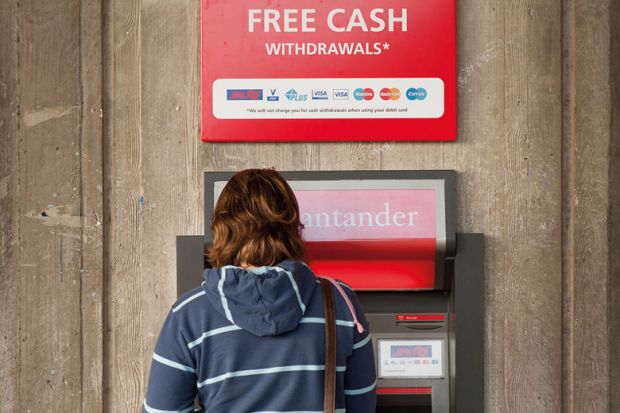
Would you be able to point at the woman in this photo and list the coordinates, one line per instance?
(251, 338)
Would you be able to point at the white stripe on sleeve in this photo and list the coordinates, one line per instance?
(357, 392)
(187, 300)
(361, 343)
(173, 364)
(212, 333)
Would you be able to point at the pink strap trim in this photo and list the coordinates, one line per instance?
(358, 325)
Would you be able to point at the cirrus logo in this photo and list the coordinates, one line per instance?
(389, 93)
(416, 94)
(363, 94)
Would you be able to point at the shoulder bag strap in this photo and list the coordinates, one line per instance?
(329, 401)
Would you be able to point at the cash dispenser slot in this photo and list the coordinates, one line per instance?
(389, 265)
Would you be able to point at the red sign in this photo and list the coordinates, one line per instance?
(347, 70)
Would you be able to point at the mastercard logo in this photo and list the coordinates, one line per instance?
(363, 94)
(389, 94)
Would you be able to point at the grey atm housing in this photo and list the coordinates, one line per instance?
(458, 293)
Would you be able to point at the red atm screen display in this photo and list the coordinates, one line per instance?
(373, 234)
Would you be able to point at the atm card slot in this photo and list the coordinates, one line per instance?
(421, 321)
(413, 325)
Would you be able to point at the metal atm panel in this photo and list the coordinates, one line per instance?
(421, 286)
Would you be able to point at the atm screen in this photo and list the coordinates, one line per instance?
(372, 234)
(347, 210)
(410, 359)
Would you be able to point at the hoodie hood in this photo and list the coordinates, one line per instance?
(264, 301)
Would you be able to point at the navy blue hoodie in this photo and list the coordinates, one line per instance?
(253, 341)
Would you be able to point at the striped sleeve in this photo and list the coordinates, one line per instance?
(172, 380)
(360, 377)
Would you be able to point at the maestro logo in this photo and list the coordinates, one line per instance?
(341, 94)
(363, 94)
(272, 97)
(416, 94)
(319, 94)
(244, 94)
(292, 95)
(389, 93)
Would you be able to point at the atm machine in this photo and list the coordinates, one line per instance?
(390, 236)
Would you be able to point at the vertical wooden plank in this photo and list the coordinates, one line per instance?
(171, 184)
(508, 155)
(49, 205)
(91, 169)
(614, 209)
(49, 162)
(9, 222)
(124, 341)
(532, 216)
(568, 279)
(587, 204)
(483, 171)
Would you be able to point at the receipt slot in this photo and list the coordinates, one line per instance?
(390, 236)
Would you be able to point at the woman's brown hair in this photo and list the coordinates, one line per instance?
(256, 221)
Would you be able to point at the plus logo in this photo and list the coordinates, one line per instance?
(293, 96)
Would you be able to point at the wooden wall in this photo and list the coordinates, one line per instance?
(50, 206)
(587, 358)
(101, 166)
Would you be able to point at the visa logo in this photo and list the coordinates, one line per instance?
(341, 94)
(319, 94)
